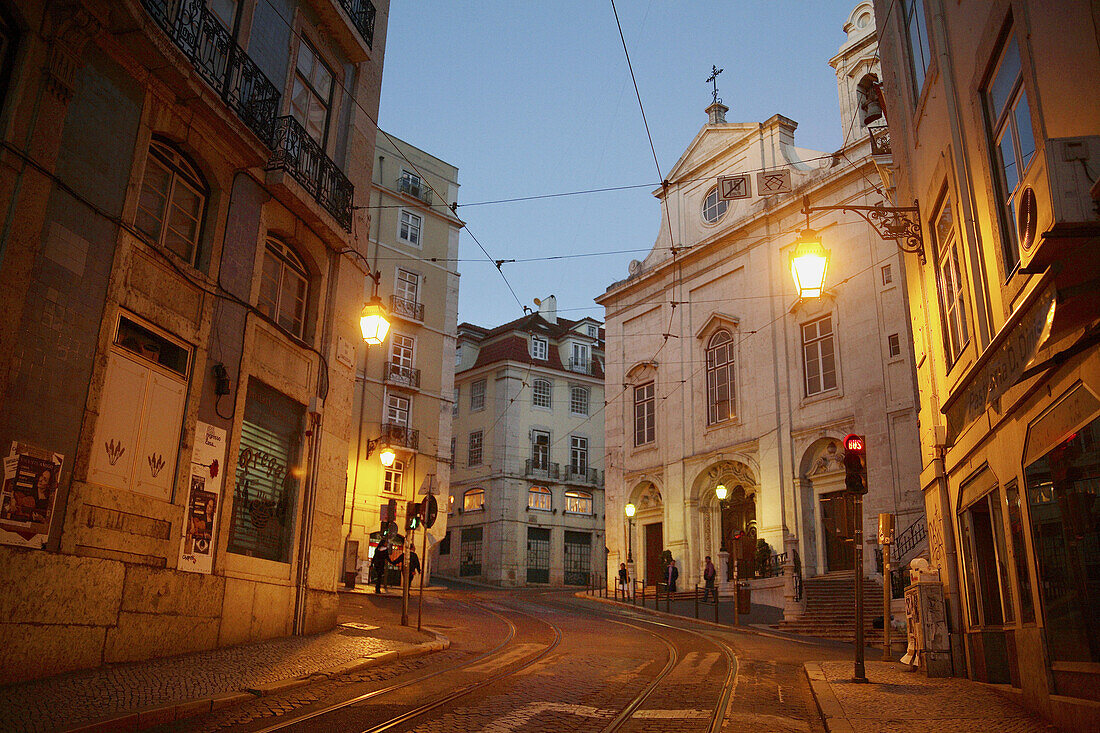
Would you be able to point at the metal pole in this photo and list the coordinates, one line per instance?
(405, 580)
(860, 672)
(423, 567)
(886, 594)
(716, 603)
(736, 597)
(696, 600)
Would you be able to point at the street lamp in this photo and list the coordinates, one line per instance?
(809, 262)
(387, 456)
(721, 492)
(373, 321)
(629, 509)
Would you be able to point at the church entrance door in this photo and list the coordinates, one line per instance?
(838, 528)
(654, 543)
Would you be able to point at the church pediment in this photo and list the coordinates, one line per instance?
(716, 321)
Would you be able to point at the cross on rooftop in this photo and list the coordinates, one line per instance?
(713, 78)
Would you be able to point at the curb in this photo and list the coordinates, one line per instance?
(163, 714)
(828, 707)
(724, 627)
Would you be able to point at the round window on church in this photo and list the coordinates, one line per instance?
(713, 207)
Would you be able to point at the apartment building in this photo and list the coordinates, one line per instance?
(404, 391)
(183, 268)
(995, 123)
(526, 496)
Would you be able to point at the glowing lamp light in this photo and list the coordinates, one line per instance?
(629, 509)
(809, 262)
(373, 322)
(721, 492)
(387, 456)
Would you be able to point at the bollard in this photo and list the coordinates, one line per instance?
(696, 600)
(668, 597)
(716, 604)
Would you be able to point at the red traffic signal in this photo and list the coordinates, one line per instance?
(855, 464)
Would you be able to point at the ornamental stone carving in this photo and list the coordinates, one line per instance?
(828, 459)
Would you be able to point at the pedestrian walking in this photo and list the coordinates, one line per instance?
(710, 575)
(414, 565)
(673, 574)
(624, 581)
(378, 566)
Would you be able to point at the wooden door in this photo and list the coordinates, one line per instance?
(654, 543)
(838, 529)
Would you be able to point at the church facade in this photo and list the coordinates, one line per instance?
(718, 374)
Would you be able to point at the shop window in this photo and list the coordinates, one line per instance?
(470, 552)
(1063, 499)
(989, 594)
(538, 555)
(1019, 552)
(577, 560)
(268, 474)
(141, 410)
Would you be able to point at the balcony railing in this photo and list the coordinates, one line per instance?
(582, 366)
(300, 155)
(402, 375)
(362, 14)
(400, 436)
(220, 61)
(880, 140)
(417, 189)
(541, 469)
(582, 476)
(406, 308)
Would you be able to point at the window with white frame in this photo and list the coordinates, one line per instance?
(578, 455)
(540, 348)
(311, 97)
(819, 356)
(473, 455)
(644, 414)
(887, 275)
(894, 342)
(284, 287)
(593, 331)
(539, 497)
(540, 450)
(141, 412)
(578, 502)
(172, 202)
(916, 30)
(397, 410)
(391, 480)
(401, 350)
(720, 374)
(714, 206)
(578, 362)
(952, 282)
(540, 393)
(406, 286)
(1012, 143)
(477, 395)
(578, 400)
(473, 500)
(409, 227)
(409, 183)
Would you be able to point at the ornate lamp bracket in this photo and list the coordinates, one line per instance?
(900, 223)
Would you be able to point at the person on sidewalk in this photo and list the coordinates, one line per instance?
(673, 574)
(710, 575)
(378, 566)
(624, 581)
(414, 566)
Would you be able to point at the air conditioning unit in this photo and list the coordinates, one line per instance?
(1055, 212)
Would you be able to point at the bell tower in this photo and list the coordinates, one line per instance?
(858, 75)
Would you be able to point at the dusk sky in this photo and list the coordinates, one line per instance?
(535, 98)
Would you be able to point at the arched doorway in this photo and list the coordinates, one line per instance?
(649, 528)
(738, 513)
(733, 519)
(834, 508)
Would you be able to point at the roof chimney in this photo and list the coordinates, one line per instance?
(548, 309)
(716, 114)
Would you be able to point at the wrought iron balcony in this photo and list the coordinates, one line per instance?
(220, 61)
(582, 476)
(417, 189)
(362, 14)
(402, 375)
(400, 436)
(880, 140)
(406, 308)
(300, 155)
(582, 366)
(541, 469)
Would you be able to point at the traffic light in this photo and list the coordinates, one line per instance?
(412, 515)
(855, 464)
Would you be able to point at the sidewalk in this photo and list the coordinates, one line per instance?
(141, 694)
(897, 700)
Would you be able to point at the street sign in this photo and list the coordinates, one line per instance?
(769, 183)
(430, 510)
(734, 187)
(427, 486)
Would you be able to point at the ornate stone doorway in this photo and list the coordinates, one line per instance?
(838, 530)
(738, 513)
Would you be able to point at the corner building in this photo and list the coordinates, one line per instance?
(182, 278)
(526, 504)
(995, 114)
(721, 374)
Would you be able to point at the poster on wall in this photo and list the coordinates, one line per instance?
(200, 520)
(28, 494)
